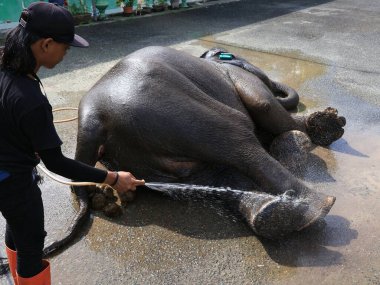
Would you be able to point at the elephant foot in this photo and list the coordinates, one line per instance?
(320, 210)
(274, 217)
(291, 149)
(325, 127)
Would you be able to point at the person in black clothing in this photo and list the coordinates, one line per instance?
(41, 39)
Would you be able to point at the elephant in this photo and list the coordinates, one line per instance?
(167, 116)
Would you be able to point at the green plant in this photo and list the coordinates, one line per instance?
(78, 9)
(127, 3)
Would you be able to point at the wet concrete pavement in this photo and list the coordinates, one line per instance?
(329, 52)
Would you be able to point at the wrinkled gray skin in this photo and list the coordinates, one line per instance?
(167, 116)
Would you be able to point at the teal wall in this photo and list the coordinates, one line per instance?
(10, 9)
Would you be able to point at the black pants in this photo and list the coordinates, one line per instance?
(22, 208)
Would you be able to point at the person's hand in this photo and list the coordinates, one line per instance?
(123, 181)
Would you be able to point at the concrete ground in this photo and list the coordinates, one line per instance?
(329, 52)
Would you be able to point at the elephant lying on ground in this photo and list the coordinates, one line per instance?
(167, 116)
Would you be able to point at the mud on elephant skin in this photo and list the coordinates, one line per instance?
(167, 116)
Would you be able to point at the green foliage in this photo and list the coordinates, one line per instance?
(128, 3)
(81, 8)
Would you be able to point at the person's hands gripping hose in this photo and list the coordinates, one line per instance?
(123, 181)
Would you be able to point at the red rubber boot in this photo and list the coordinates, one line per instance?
(42, 278)
(12, 260)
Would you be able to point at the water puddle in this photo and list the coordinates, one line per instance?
(287, 69)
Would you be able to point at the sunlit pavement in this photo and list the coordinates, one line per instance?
(329, 52)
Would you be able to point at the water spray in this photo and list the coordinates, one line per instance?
(267, 215)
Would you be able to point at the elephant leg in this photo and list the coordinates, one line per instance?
(323, 127)
(274, 217)
(267, 215)
(233, 143)
(90, 143)
(290, 206)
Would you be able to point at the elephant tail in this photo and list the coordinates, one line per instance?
(287, 96)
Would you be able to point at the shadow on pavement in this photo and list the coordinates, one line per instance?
(189, 218)
(342, 146)
(308, 248)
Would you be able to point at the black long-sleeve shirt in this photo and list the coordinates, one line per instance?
(27, 128)
(56, 162)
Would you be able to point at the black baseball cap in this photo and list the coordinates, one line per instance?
(48, 20)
